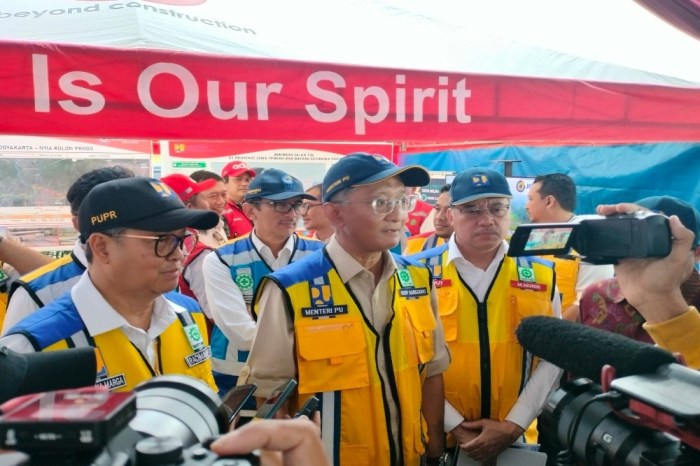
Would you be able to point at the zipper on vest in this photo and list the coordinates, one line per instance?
(396, 457)
(485, 360)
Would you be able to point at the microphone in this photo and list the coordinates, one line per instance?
(584, 351)
(23, 374)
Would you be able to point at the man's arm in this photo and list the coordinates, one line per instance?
(22, 258)
(20, 306)
(226, 303)
(433, 407)
(653, 287)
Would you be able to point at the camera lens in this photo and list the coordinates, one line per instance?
(178, 406)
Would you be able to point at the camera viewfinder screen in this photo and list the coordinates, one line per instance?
(548, 238)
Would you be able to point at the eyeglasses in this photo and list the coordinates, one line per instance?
(496, 210)
(286, 207)
(313, 204)
(383, 206)
(167, 243)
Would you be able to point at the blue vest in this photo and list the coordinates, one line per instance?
(247, 270)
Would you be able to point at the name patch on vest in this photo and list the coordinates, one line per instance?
(199, 357)
(324, 311)
(112, 383)
(528, 285)
(413, 292)
(439, 282)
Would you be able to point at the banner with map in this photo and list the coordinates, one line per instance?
(35, 174)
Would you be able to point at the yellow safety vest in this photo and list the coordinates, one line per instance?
(567, 275)
(120, 366)
(336, 357)
(485, 381)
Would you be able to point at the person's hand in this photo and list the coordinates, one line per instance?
(463, 435)
(652, 285)
(288, 442)
(493, 438)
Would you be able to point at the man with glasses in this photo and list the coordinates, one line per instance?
(356, 325)
(494, 389)
(41, 286)
(315, 220)
(231, 275)
(135, 234)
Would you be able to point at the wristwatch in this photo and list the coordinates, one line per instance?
(437, 460)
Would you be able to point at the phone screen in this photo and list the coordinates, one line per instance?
(236, 398)
(271, 405)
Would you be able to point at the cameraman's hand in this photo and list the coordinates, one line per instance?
(495, 436)
(652, 285)
(285, 442)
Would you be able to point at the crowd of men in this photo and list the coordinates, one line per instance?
(410, 354)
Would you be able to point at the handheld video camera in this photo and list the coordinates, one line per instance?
(640, 420)
(598, 239)
(166, 420)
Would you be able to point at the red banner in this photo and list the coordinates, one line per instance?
(49, 89)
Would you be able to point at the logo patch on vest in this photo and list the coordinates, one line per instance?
(112, 383)
(199, 357)
(244, 281)
(413, 292)
(528, 285)
(331, 311)
(405, 279)
(439, 282)
(194, 336)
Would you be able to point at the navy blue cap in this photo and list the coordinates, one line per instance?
(275, 185)
(669, 205)
(478, 183)
(140, 203)
(360, 169)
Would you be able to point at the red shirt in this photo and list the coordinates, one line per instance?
(238, 223)
(417, 217)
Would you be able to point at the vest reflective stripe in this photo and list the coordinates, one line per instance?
(336, 356)
(49, 282)
(120, 365)
(470, 326)
(567, 275)
(247, 269)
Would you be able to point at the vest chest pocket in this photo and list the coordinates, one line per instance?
(423, 325)
(331, 356)
(447, 308)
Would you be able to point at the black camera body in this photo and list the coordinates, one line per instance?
(597, 239)
(168, 420)
(595, 433)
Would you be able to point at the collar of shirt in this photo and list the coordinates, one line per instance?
(453, 253)
(79, 253)
(266, 253)
(348, 267)
(100, 317)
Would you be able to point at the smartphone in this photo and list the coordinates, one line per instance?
(309, 408)
(236, 398)
(270, 407)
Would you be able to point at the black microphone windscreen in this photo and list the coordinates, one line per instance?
(23, 374)
(583, 351)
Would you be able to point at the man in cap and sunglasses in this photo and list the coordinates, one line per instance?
(494, 389)
(136, 241)
(274, 202)
(356, 325)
